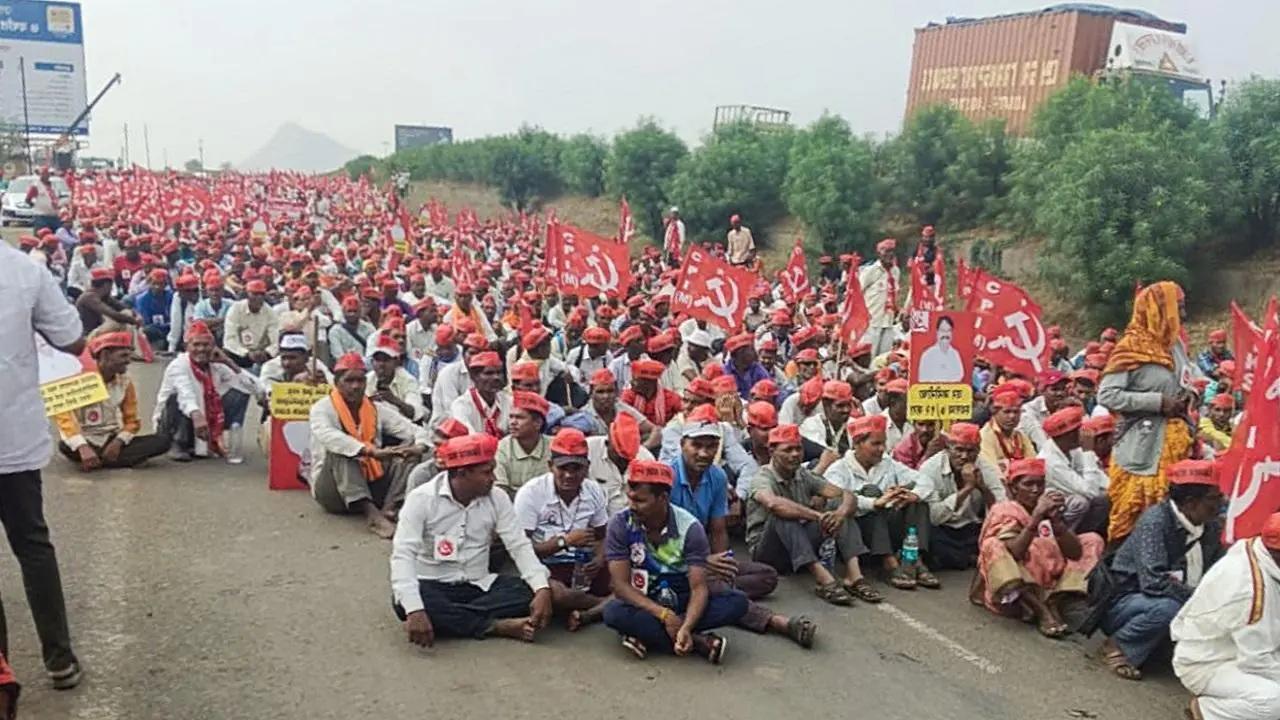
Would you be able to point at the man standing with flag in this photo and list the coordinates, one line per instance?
(673, 238)
(879, 281)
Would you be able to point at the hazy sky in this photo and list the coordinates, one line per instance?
(231, 71)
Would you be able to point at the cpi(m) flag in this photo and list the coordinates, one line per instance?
(711, 289)
(854, 316)
(1008, 330)
(626, 223)
(1249, 473)
(795, 277)
(928, 293)
(1246, 339)
(580, 263)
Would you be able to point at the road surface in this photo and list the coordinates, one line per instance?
(195, 592)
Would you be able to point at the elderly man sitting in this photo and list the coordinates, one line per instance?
(351, 470)
(1072, 469)
(105, 434)
(959, 486)
(789, 520)
(611, 457)
(440, 577)
(565, 517)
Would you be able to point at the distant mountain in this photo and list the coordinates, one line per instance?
(294, 147)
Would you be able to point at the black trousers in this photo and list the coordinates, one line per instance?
(138, 451)
(791, 545)
(22, 513)
(464, 610)
(954, 548)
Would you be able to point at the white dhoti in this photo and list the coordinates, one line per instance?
(881, 340)
(1232, 694)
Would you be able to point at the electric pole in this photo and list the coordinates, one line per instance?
(200, 145)
(146, 144)
(126, 144)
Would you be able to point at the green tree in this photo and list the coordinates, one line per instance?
(1121, 206)
(1249, 123)
(192, 165)
(943, 170)
(582, 164)
(640, 167)
(738, 169)
(830, 186)
(360, 166)
(526, 167)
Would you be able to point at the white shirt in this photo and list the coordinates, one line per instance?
(245, 330)
(272, 372)
(894, 434)
(1076, 473)
(1031, 422)
(1212, 632)
(328, 436)
(442, 288)
(815, 428)
(849, 475)
(875, 291)
(403, 386)
(179, 380)
(78, 274)
(465, 410)
(612, 481)
(871, 406)
(419, 342)
(790, 412)
(179, 319)
(938, 365)
(688, 326)
(432, 516)
(582, 366)
(940, 488)
(543, 514)
(452, 380)
(29, 299)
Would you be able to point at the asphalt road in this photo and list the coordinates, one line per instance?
(195, 592)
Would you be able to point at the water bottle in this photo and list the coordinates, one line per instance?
(911, 547)
(827, 554)
(667, 596)
(580, 559)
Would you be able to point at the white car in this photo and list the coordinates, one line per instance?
(13, 204)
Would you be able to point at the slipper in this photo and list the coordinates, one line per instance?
(1053, 631)
(862, 590)
(802, 630)
(926, 579)
(834, 593)
(719, 646)
(634, 645)
(902, 579)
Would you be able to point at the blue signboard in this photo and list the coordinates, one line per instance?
(42, 47)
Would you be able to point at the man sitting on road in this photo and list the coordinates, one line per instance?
(251, 329)
(959, 486)
(1002, 441)
(485, 406)
(203, 399)
(1158, 567)
(293, 363)
(351, 470)
(611, 456)
(1073, 470)
(388, 382)
(105, 434)
(524, 452)
(881, 493)
(826, 427)
(789, 519)
(1225, 635)
(565, 516)
(440, 577)
(657, 554)
(657, 404)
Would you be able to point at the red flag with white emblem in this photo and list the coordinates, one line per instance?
(711, 289)
(855, 316)
(580, 263)
(795, 277)
(1249, 473)
(1008, 330)
(626, 223)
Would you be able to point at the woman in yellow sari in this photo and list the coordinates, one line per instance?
(1146, 385)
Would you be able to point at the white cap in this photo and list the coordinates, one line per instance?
(675, 208)
(699, 337)
(294, 341)
(701, 429)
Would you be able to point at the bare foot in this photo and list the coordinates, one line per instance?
(514, 628)
(574, 621)
(391, 514)
(382, 527)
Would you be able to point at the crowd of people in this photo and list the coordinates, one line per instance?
(531, 453)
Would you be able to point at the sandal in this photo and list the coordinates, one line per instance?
(926, 579)
(862, 590)
(834, 593)
(903, 578)
(802, 630)
(1052, 630)
(634, 645)
(717, 646)
(1115, 659)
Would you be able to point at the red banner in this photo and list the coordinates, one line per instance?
(855, 316)
(713, 290)
(795, 277)
(1248, 472)
(626, 223)
(1008, 330)
(926, 295)
(1246, 339)
(580, 263)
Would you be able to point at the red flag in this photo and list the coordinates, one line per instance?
(1248, 472)
(925, 295)
(795, 277)
(964, 280)
(1008, 330)
(1246, 339)
(856, 317)
(580, 263)
(713, 290)
(626, 223)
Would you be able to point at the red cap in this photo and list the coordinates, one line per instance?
(650, 472)
(811, 391)
(467, 450)
(569, 443)
(1191, 472)
(860, 427)
(530, 402)
(1026, 468)
(724, 385)
(350, 361)
(101, 273)
(1064, 421)
(632, 334)
(785, 435)
(1089, 375)
(886, 244)
(765, 389)
(452, 428)
(700, 387)
(387, 345)
(647, 369)
(525, 371)
(486, 359)
(1218, 336)
(198, 329)
(963, 433)
(762, 415)
(738, 342)
(110, 340)
(535, 337)
(807, 355)
(603, 376)
(1049, 378)
(624, 435)
(595, 336)
(660, 343)
(897, 386)
(837, 390)
(1223, 400)
(255, 287)
(1101, 425)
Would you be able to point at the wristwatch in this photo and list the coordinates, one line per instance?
(561, 543)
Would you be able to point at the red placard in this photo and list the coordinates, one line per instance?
(941, 347)
(290, 458)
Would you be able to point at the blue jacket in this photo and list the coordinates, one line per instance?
(154, 309)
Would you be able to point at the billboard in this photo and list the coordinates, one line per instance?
(411, 136)
(45, 39)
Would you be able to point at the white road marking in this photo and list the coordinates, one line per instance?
(928, 631)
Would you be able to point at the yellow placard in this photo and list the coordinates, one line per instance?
(402, 247)
(940, 401)
(293, 401)
(71, 393)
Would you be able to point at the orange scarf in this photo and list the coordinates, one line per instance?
(1152, 331)
(364, 431)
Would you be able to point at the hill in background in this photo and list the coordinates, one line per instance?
(294, 147)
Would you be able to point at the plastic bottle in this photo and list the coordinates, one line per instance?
(667, 596)
(827, 553)
(580, 559)
(911, 547)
